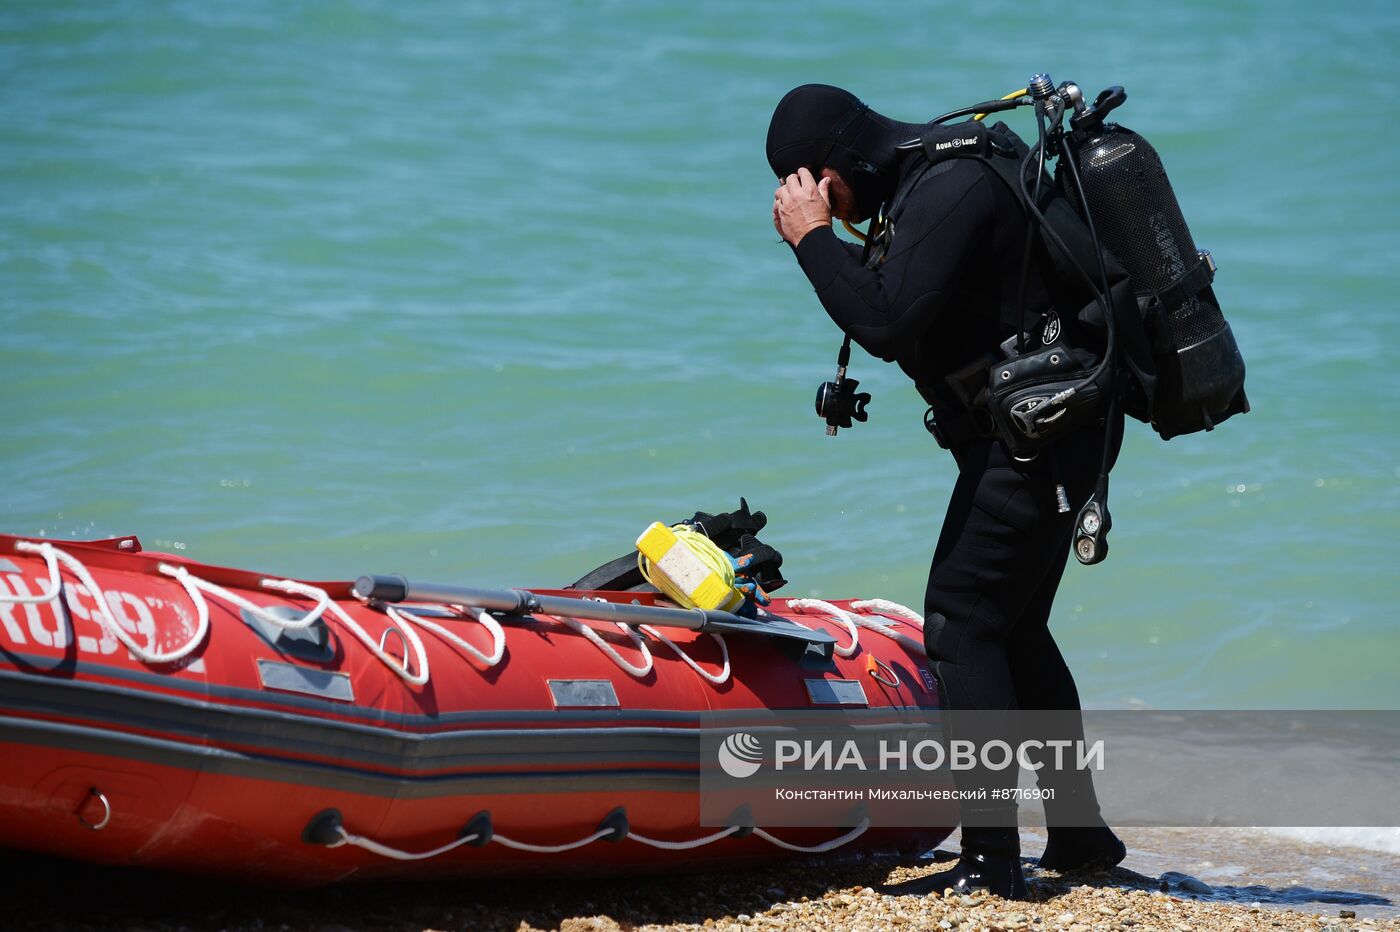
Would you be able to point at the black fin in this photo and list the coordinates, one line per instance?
(619, 575)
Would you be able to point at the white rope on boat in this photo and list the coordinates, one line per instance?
(498, 634)
(716, 678)
(822, 848)
(387, 851)
(498, 643)
(606, 648)
(197, 587)
(665, 845)
(55, 584)
(323, 601)
(416, 673)
(853, 621)
(384, 851)
(54, 556)
(843, 617)
(886, 607)
(403, 670)
(553, 849)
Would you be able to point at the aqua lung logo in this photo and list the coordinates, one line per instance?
(740, 755)
(955, 143)
(1052, 328)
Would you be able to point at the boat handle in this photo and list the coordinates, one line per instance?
(106, 810)
(881, 672)
(402, 640)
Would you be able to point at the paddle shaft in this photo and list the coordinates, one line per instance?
(522, 602)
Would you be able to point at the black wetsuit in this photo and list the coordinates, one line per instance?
(934, 305)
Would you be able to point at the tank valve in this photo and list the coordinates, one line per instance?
(1040, 86)
(1073, 96)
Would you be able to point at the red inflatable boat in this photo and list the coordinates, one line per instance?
(164, 713)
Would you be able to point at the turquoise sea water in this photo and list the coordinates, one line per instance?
(476, 291)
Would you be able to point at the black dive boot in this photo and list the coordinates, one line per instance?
(1079, 839)
(1081, 850)
(991, 861)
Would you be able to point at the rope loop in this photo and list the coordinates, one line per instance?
(415, 674)
(718, 679)
(852, 621)
(886, 607)
(822, 848)
(665, 845)
(638, 671)
(197, 587)
(55, 583)
(193, 584)
(552, 849)
(369, 844)
(498, 634)
(387, 851)
(291, 587)
(839, 615)
(146, 654)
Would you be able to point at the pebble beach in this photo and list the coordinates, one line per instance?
(831, 893)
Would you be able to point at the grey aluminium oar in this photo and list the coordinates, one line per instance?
(524, 602)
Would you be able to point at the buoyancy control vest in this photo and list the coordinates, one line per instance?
(1134, 324)
(1051, 377)
(1116, 254)
(1175, 363)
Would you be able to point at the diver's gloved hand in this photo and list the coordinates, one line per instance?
(745, 583)
(767, 563)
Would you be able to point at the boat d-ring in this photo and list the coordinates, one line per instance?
(403, 639)
(100, 824)
(881, 672)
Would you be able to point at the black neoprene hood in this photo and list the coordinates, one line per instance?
(818, 126)
(800, 133)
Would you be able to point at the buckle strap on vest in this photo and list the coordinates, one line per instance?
(1196, 280)
(951, 427)
(958, 409)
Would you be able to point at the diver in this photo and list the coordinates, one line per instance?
(930, 292)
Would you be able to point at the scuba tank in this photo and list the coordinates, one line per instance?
(1200, 373)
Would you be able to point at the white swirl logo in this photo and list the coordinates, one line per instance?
(740, 755)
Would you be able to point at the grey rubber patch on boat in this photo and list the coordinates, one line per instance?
(836, 692)
(288, 677)
(8, 566)
(310, 643)
(583, 694)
